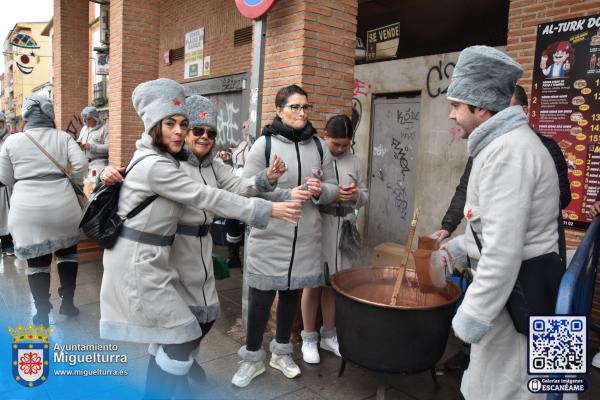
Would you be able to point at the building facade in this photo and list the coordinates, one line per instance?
(27, 65)
(395, 74)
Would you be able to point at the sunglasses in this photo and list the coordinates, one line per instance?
(198, 131)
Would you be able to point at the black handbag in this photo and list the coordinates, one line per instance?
(350, 241)
(536, 289)
(100, 221)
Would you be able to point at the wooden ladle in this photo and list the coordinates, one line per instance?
(400, 278)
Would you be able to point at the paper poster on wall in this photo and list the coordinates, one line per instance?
(194, 54)
(565, 104)
(207, 65)
(382, 43)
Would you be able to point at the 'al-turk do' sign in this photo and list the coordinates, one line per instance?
(565, 105)
(254, 9)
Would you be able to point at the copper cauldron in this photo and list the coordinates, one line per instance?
(410, 337)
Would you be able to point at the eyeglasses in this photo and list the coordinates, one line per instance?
(297, 107)
(198, 131)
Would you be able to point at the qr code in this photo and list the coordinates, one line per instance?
(557, 345)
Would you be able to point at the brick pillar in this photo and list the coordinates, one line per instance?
(311, 44)
(133, 58)
(71, 62)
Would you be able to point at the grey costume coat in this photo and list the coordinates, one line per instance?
(512, 205)
(285, 256)
(191, 256)
(97, 137)
(44, 214)
(139, 299)
(332, 225)
(5, 192)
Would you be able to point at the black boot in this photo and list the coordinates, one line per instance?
(67, 271)
(159, 384)
(233, 257)
(39, 284)
(8, 248)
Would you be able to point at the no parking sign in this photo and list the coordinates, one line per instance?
(254, 9)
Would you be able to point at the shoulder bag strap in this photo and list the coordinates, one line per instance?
(130, 167)
(60, 167)
(319, 147)
(267, 149)
(140, 207)
(477, 242)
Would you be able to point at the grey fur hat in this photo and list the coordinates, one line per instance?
(2, 117)
(200, 111)
(90, 112)
(37, 102)
(484, 77)
(158, 99)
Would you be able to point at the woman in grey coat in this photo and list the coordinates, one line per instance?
(352, 196)
(93, 140)
(5, 192)
(141, 298)
(44, 214)
(191, 254)
(281, 258)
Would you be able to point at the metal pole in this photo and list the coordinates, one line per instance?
(256, 84)
(257, 74)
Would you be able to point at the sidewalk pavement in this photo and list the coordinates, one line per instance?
(218, 354)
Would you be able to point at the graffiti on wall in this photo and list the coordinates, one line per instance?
(400, 151)
(438, 78)
(360, 89)
(74, 126)
(400, 196)
(226, 124)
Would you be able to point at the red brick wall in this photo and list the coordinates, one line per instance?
(134, 38)
(311, 44)
(523, 18)
(219, 19)
(71, 59)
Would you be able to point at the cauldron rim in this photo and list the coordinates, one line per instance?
(381, 305)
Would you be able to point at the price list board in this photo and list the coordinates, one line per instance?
(565, 104)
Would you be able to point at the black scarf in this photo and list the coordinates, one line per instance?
(277, 127)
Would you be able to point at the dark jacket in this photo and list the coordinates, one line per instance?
(455, 211)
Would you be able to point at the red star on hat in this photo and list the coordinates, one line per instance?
(176, 101)
(202, 114)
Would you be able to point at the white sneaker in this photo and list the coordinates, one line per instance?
(247, 371)
(331, 344)
(285, 364)
(310, 353)
(596, 360)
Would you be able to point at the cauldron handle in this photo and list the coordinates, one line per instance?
(411, 236)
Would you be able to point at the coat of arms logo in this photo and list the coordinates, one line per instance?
(30, 354)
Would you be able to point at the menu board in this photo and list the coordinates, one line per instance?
(565, 104)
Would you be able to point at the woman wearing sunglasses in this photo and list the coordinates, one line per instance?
(283, 258)
(142, 299)
(191, 254)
